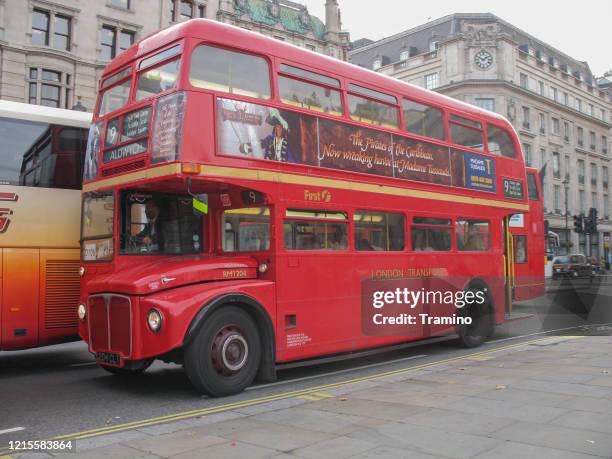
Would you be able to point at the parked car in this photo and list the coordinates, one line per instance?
(573, 265)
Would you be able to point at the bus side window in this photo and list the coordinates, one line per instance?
(431, 234)
(466, 132)
(315, 230)
(228, 71)
(423, 120)
(500, 142)
(472, 235)
(310, 95)
(520, 249)
(246, 229)
(378, 231)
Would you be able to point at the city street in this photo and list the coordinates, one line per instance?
(58, 390)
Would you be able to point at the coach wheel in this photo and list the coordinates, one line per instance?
(134, 367)
(481, 326)
(224, 357)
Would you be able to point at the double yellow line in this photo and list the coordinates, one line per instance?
(270, 398)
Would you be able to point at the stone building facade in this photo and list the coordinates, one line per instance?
(562, 114)
(52, 52)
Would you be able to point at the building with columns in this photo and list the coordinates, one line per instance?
(563, 114)
(52, 52)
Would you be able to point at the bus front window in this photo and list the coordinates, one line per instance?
(157, 224)
(97, 226)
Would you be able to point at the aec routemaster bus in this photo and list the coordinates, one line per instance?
(250, 199)
(41, 167)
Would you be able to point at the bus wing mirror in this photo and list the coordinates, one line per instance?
(199, 200)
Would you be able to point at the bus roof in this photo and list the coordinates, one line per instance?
(40, 113)
(254, 42)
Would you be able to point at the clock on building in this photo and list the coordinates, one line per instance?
(483, 59)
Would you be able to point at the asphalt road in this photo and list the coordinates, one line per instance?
(59, 389)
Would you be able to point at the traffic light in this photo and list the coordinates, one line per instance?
(592, 221)
(578, 224)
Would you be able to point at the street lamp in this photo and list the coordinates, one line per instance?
(567, 233)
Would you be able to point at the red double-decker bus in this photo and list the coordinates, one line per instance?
(248, 203)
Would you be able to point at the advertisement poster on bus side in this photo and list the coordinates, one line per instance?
(256, 131)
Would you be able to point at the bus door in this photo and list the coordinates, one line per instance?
(315, 310)
(509, 272)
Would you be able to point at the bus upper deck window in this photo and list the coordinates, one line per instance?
(368, 110)
(500, 142)
(466, 132)
(114, 98)
(157, 79)
(228, 71)
(423, 120)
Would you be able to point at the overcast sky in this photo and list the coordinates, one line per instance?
(579, 29)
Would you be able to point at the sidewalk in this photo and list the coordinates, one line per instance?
(548, 399)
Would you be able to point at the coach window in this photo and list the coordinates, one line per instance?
(379, 112)
(423, 120)
(309, 95)
(315, 230)
(466, 132)
(431, 234)
(500, 142)
(246, 229)
(228, 71)
(472, 235)
(378, 231)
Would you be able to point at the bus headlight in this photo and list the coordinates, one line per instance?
(154, 319)
(82, 311)
(82, 271)
(263, 268)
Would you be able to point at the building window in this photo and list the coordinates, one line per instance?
(487, 104)
(556, 166)
(565, 98)
(524, 81)
(592, 139)
(123, 4)
(526, 117)
(555, 126)
(186, 10)
(603, 114)
(581, 171)
(542, 123)
(527, 153)
(593, 174)
(114, 41)
(311, 47)
(604, 144)
(606, 209)
(594, 200)
(553, 93)
(49, 87)
(591, 110)
(404, 55)
(581, 201)
(542, 160)
(202, 11)
(566, 131)
(40, 28)
(377, 64)
(557, 197)
(432, 81)
(604, 177)
(541, 87)
(51, 29)
(580, 136)
(566, 165)
(578, 104)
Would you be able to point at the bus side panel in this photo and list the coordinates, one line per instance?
(59, 295)
(20, 298)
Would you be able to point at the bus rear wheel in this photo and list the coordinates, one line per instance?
(224, 357)
(481, 326)
(131, 368)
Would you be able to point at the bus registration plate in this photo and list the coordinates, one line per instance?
(109, 358)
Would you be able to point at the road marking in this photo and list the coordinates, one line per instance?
(14, 429)
(83, 364)
(282, 396)
(332, 373)
(310, 398)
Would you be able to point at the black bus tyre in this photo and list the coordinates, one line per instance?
(131, 368)
(482, 326)
(224, 357)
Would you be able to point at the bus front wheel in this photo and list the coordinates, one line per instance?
(481, 326)
(224, 357)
